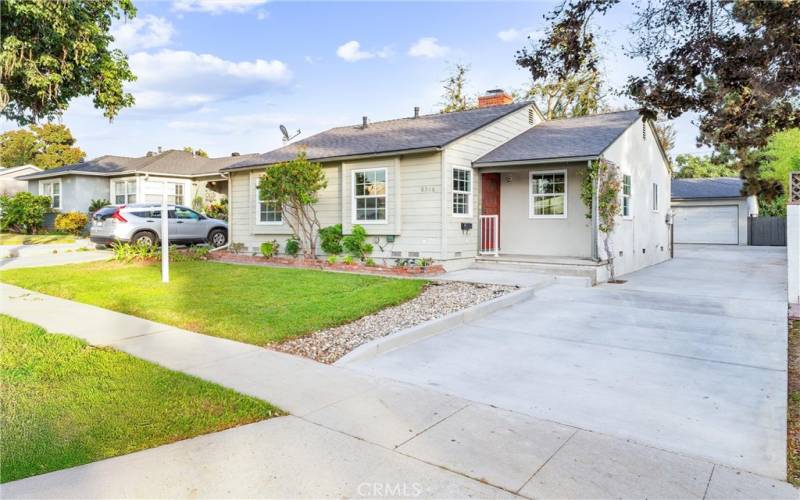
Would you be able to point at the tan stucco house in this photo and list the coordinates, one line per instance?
(497, 184)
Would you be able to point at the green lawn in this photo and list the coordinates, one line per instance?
(65, 403)
(254, 304)
(34, 239)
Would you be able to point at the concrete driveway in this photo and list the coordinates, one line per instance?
(687, 356)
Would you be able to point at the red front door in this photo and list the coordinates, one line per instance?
(490, 205)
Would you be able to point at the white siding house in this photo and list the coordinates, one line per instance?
(427, 186)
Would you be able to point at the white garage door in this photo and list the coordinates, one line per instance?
(709, 224)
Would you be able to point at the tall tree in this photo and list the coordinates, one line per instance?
(454, 98)
(665, 133)
(734, 62)
(47, 146)
(693, 166)
(56, 50)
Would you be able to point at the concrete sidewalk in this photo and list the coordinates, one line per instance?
(352, 435)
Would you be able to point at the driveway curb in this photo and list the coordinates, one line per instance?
(436, 326)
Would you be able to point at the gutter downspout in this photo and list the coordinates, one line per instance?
(227, 175)
(595, 217)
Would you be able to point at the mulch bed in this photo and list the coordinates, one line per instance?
(793, 414)
(257, 260)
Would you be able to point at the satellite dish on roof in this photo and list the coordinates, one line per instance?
(285, 133)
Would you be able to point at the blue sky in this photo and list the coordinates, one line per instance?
(222, 75)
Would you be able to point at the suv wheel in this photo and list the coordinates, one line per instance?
(217, 238)
(145, 238)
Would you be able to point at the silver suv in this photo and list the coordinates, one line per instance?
(141, 223)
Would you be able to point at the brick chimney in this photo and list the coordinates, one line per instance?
(494, 97)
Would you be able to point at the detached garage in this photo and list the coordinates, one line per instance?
(711, 211)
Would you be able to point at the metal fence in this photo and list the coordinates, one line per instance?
(766, 231)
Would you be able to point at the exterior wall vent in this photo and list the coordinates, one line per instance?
(397, 254)
(531, 115)
(413, 254)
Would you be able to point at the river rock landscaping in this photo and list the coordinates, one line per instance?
(437, 300)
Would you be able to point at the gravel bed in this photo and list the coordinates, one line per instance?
(436, 300)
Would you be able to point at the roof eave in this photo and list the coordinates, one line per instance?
(432, 149)
(538, 161)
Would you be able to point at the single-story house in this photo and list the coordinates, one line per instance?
(497, 184)
(10, 183)
(711, 210)
(123, 180)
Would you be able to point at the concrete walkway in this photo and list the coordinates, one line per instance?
(50, 254)
(353, 435)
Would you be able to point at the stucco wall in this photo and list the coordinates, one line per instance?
(520, 234)
(77, 191)
(642, 239)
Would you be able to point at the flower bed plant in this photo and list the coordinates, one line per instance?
(402, 267)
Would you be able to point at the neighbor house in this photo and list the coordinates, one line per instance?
(497, 184)
(711, 210)
(10, 183)
(122, 180)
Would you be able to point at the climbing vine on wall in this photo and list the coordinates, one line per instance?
(605, 175)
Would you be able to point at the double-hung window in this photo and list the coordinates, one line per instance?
(369, 195)
(548, 194)
(53, 191)
(462, 192)
(268, 211)
(175, 193)
(627, 209)
(655, 197)
(124, 192)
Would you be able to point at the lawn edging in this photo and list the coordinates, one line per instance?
(435, 326)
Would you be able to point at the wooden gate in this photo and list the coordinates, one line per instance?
(766, 231)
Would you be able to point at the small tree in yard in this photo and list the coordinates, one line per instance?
(23, 213)
(603, 176)
(295, 185)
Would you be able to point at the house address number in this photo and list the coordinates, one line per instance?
(428, 189)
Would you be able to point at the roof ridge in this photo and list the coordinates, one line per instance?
(566, 118)
(427, 115)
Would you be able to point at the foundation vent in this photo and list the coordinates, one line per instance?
(413, 254)
(397, 254)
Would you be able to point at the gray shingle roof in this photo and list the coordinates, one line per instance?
(710, 187)
(563, 138)
(171, 162)
(404, 134)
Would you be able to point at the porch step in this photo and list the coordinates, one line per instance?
(591, 270)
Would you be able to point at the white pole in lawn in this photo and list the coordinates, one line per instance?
(164, 236)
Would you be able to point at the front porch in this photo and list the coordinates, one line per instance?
(581, 267)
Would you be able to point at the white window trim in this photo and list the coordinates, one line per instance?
(136, 190)
(655, 203)
(353, 196)
(531, 173)
(42, 184)
(630, 199)
(260, 222)
(467, 215)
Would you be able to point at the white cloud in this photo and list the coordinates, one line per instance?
(146, 32)
(171, 79)
(428, 47)
(351, 52)
(262, 14)
(516, 35)
(216, 6)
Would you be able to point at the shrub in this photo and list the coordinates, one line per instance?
(332, 259)
(423, 263)
(292, 246)
(72, 222)
(356, 243)
(96, 205)
(125, 252)
(348, 259)
(269, 248)
(237, 248)
(23, 213)
(331, 239)
(218, 209)
(370, 262)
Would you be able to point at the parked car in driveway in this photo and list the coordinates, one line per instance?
(141, 224)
